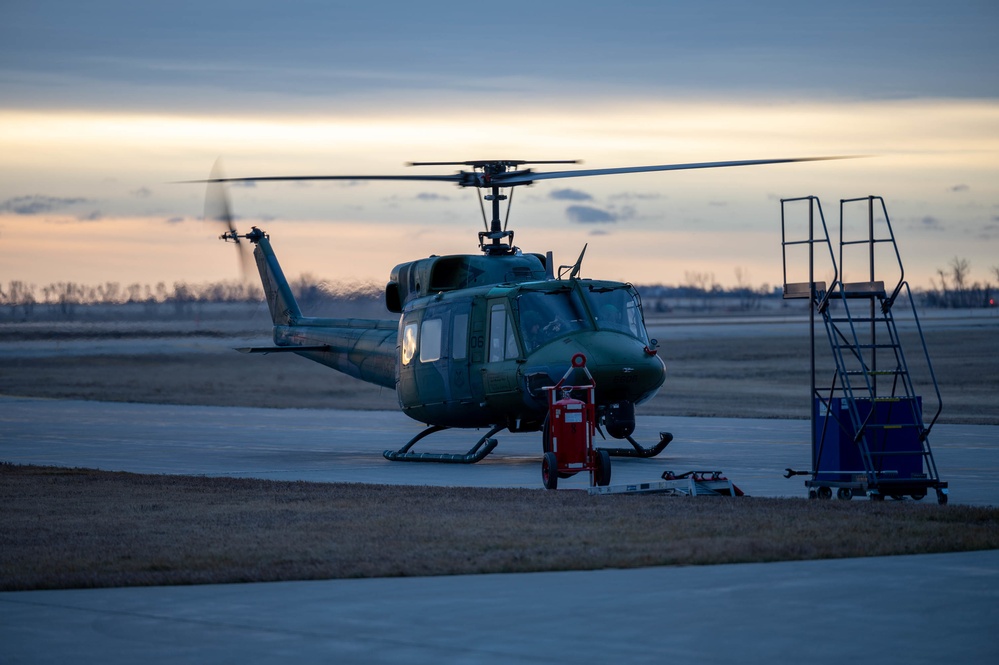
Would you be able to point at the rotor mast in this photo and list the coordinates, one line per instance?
(495, 174)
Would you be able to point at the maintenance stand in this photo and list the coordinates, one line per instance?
(868, 431)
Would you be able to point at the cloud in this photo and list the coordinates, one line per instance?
(990, 231)
(430, 196)
(175, 220)
(929, 223)
(589, 215)
(636, 196)
(91, 217)
(38, 204)
(570, 195)
(960, 188)
(141, 193)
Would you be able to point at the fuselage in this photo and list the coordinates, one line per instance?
(479, 338)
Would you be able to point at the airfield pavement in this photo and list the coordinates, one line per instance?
(914, 609)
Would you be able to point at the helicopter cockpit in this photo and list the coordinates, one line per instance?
(552, 313)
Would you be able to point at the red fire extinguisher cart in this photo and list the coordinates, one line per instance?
(571, 423)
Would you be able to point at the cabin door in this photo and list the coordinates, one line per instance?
(458, 370)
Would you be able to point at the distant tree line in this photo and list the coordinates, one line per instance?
(67, 296)
(952, 288)
(22, 299)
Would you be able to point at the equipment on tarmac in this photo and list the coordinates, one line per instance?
(869, 436)
(569, 429)
(692, 483)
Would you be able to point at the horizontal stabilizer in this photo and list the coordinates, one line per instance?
(282, 349)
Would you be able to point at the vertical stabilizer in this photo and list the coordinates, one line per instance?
(280, 300)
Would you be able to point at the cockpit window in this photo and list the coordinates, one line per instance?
(617, 308)
(545, 315)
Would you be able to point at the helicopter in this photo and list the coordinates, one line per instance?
(479, 337)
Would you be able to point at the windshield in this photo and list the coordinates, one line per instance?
(617, 308)
(547, 315)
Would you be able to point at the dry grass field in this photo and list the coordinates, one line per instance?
(729, 375)
(66, 528)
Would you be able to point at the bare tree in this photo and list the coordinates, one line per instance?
(748, 297)
(960, 269)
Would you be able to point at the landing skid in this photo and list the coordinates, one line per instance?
(637, 450)
(483, 447)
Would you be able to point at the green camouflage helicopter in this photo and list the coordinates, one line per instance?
(479, 337)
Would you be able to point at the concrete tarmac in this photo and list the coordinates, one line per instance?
(920, 609)
(908, 609)
(346, 446)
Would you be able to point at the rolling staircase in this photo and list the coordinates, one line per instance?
(869, 435)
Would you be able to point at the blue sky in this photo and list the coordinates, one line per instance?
(104, 103)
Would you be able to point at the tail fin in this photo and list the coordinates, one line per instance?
(280, 300)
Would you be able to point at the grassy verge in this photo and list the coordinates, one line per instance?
(68, 528)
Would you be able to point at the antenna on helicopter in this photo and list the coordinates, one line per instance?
(574, 268)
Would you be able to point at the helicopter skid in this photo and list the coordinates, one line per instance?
(638, 451)
(482, 447)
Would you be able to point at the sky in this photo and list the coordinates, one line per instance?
(105, 106)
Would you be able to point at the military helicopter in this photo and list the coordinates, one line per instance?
(479, 337)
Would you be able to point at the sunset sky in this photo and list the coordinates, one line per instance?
(105, 105)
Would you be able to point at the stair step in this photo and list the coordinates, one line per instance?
(880, 372)
(898, 453)
(863, 290)
(802, 289)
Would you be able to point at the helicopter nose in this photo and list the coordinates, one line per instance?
(622, 367)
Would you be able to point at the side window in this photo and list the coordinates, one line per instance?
(511, 339)
(430, 340)
(497, 332)
(408, 343)
(459, 337)
(502, 340)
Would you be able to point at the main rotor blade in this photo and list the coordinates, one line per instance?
(455, 177)
(523, 178)
(514, 178)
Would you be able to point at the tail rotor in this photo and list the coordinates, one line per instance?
(219, 209)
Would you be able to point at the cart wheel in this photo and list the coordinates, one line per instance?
(602, 473)
(918, 496)
(898, 497)
(941, 497)
(825, 493)
(844, 494)
(549, 471)
(546, 436)
(877, 497)
(812, 494)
